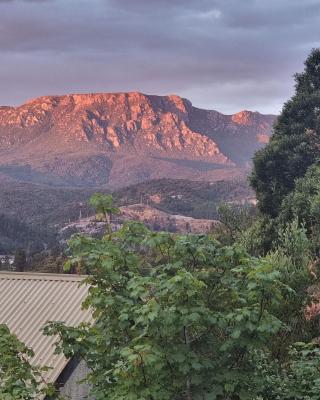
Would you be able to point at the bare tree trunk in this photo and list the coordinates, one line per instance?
(108, 222)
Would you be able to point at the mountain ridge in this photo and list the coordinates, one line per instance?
(116, 139)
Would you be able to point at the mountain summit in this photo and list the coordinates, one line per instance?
(116, 139)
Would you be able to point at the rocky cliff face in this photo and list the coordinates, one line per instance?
(123, 138)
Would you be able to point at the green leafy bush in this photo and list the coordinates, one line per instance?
(177, 316)
(19, 380)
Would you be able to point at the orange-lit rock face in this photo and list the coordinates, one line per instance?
(130, 125)
(245, 118)
(261, 123)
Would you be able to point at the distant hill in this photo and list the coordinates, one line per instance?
(117, 139)
(31, 214)
(193, 199)
(152, 217)
(43, 206)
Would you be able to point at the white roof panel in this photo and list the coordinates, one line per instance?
(29, 300)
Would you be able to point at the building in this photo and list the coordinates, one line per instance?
(27, 302)
(6, 260)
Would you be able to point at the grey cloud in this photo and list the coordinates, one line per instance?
(218, 53)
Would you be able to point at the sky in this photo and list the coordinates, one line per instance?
(226, 55)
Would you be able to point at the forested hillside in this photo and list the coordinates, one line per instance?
(44, 210)
(15, 234)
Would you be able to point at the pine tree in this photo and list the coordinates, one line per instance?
(295, 144)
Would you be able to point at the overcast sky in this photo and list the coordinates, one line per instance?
(226, 55)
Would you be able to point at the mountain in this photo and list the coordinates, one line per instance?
(116, 139)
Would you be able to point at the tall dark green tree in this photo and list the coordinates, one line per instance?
(295, 144)
(20, 260)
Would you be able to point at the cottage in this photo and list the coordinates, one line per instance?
(27, 302)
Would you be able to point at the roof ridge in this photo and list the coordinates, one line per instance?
(41, 276)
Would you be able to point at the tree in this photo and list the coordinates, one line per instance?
(259, 237)
(298, 378)
(292, 258)
(19, 380)
(177, 316)
(103, 204)
(295, 143)
(234, 220)
(303, 203)
(20, 260)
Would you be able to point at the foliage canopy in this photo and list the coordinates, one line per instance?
(176, 316)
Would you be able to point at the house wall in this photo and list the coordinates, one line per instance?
(70, 381)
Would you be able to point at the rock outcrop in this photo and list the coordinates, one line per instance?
(153, 218)
(122, 138)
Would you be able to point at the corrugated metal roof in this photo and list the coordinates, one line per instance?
(29, 300)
